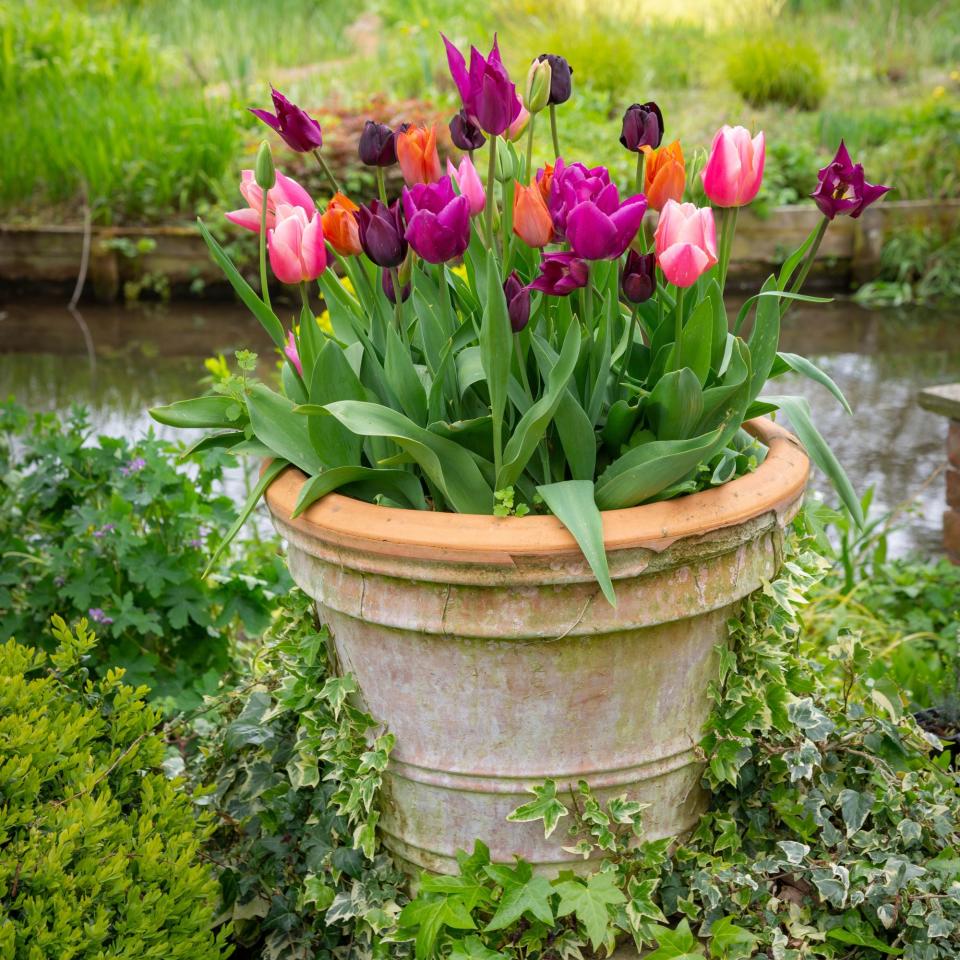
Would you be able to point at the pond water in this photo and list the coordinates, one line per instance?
(118, 361)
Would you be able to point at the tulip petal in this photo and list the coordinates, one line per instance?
(287, 190)
(458, 69)
(591, 232)
(683, 263)
(247, 218)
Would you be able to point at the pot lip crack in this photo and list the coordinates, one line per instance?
(776, 486)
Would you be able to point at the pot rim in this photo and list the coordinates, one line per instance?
(776, 486)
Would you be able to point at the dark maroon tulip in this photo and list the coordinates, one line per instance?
(642, 126)
(387, 284)
(465, 134)
(381, 233)
(298, 129)
(639, 276)
(561, 78)
(842, 188)
(377, 145)
(518, 301)
(561, 274)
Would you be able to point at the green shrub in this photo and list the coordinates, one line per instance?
(114, 531)
(99, 851)
(301, 873)
(770, 69)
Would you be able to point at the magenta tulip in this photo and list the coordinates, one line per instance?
(468, 181)
(297, 250)
(438, 221)
(561, 274)
(293, 355)
(604, 228)
(843, 189)
(571, 184)
(489, 97)
(298, 129)
(286, 191)
(686, 242)
(734, 170)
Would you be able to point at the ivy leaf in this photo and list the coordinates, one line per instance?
(730, 942)
(813, 721)
(793, 851)
(855, 808)
(473, 949)
(590, 903)
(679, 944)
(545, 807)
(428, 915)
(641, 906)
(533, 897)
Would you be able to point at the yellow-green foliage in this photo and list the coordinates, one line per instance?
(98, 850)
(770, 69)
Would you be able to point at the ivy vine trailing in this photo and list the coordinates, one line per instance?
(832, 831)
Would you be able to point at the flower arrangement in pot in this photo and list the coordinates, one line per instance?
(520, 467)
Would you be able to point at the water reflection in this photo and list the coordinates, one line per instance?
(153, 354)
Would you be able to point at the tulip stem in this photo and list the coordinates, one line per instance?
(807, 264)
(327, 172)
(491, 182)
(641, 161)
(678, 328)
(397, 302)
(529, 180)
(264, 286)
(728, 229)
(553, 130)
(381, 186)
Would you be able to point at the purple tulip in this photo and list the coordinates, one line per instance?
(561, 274)
(842, 188)
(377, 145)
(639, 276)
(642, 126)
(387, 283)
(489, 97)
(561, 78)
(381, 233)
(298, 129)
(602, 229)
(438, 220)
(575, 184)
(465, 134)
(518, 301)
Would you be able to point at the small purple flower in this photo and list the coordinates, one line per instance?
(134, 466)
(518, 301)
(639, 276)
(59, 581)
(298, 129)
(642, 126)
(842, 188)
(489, 97)
(98, 616)
(196, 544)
(381, 233)
(104, 530)
(561, 274)
(438, 220)
(378, 146)
(465, 134)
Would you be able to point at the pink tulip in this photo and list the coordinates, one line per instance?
(285, 191)
(516, 129)
(686, 242)
(468, 181)
(297, 251)
(734, 170)
(293, 355)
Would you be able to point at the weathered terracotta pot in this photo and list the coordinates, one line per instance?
(486, 647)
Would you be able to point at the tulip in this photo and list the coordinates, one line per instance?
(642, 126)
(296, 127)
(843, 189)
(381, 233)
(340, 228)
(639, 276)
(531, 218)
(574, 184)
(378, 146)
(686, 242)
(264, 172)
(602, 229)
(468, 181)
(386, 282)
(293, 355)
(465, 134)
(417, 153)
(664, 175)
(286, 191)
(734, 169)
(518, 301)
(488, 95)
(561, 274)
(545, 180)
(516, 129)
(537, 94)
(561, 78)
(438, 221)
(297, 253)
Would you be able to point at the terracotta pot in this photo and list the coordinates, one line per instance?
(485, 646)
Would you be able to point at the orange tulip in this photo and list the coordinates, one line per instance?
(417, 154)
(665, 175)
(531, 218)
(340, 227)
(544, 180)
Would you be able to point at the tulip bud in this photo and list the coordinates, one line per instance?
(388, 289)
(506, 166)
(537, 94)
(642, 126)
(561, 78)
(518, 302)
(465, 134)
(264, 173)
(377, 145)
(639, 276)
